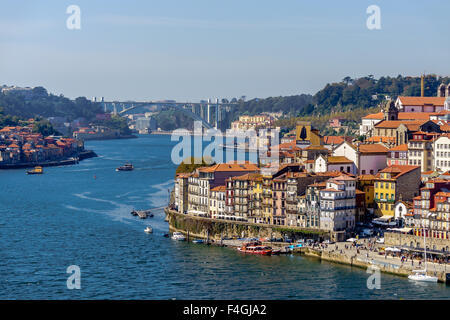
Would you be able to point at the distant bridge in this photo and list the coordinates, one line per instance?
(210, 114)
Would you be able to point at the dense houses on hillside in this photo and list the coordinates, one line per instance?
(21, 145)
(397, 175)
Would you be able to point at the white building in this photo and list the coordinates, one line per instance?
(217, 202)
(441, 152)
(338, 204)
(369, 121)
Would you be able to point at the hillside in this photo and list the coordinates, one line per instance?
(42, 104)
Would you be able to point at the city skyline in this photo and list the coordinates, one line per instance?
(173, 50)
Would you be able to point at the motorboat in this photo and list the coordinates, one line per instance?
(148, 229)
(36, 170)
(198, 241)
(178, 236)
(125, 167)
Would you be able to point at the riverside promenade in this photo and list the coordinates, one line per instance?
(365, 255)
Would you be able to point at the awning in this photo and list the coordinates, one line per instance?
(403, 230)
(384, 218)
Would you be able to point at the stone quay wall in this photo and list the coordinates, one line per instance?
(216, 229)
(413, 241)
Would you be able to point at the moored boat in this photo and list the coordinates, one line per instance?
(178, 236)
(198, 241)
(256, 248)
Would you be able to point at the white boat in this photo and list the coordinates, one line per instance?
(421, 275)
(148, 229)
(178, 236)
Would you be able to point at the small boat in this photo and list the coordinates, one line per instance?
(148, 229)
(125, 167)
(255, 248)
(178, 236)
(36, 170)
(198, 241)
(421, 275)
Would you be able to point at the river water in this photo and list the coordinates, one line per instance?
(80, 215)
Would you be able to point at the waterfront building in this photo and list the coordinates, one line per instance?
(279, 200)
(216, 175)
(441, 153)
(238, 196)
(267, 204)
(193, 195)
(217, 203)
(398, 155)
(338, 206)
(255, 206)
(395, 183)
(181, 192)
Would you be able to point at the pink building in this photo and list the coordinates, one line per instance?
(420, 104)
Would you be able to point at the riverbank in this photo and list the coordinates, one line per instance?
(345, 253)
(63, 162)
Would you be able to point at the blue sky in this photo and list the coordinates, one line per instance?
(198, 49)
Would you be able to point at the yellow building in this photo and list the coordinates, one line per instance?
(255, 191)
(366, 184)
(305, 132)
(395, 183)
(267, 202)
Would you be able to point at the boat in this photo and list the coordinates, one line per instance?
(421, 275)
(148, 229)
(134, 212)
(198, 241)
(125, 167)
(36, 170)
(255, 248)
(178, 236)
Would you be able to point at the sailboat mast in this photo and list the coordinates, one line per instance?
(425, 247)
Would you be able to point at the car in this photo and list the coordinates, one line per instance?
(300, 241)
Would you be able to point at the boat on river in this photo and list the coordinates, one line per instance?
(255, 248)
(178, 236)
(36, 170)
(148, 229)
(125, 167)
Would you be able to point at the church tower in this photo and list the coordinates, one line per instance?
(390, 111)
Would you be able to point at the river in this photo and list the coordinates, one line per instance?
(80, 215)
